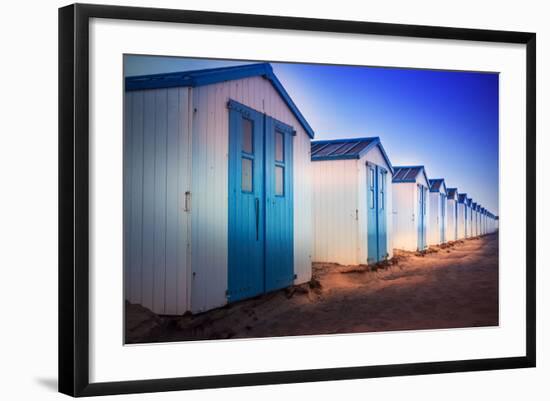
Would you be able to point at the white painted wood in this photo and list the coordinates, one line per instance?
(340, 233)
(148, 210)
(452, 219)
(127, 191)
(470, 222)
(135, 152)
(156, 226)
(462, 222)
(176, 141)
(185, 202)
(437, 217)
(405, 214)
(335, 203)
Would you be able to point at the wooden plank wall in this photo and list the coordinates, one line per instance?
(335, 224)
(156, 166)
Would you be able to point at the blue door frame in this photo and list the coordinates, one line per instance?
(376, 213)
(422, 194)
(260, 214)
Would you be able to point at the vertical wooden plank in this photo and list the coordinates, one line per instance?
(137, 198)
(160, 202)
(127, 190)
(172, 209)
(222, 144)
(149, 116)
(183, 172)
(199, 237)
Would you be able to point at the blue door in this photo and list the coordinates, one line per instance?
(260, 215)
(279, 217)
(372, 214)
(376, 213)
(422, 193)
(382, 236)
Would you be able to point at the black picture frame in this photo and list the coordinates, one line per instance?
(74, 198)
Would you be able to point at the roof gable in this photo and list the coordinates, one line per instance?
(215, 75)
(438, 185)
(342, 149)
(452, 193)
(404, 174)
(462, 198)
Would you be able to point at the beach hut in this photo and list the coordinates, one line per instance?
(469, 232)
(437, 226)
(217, 188)
(475, 219)
(452, 214)
(483, 221)
(463, 216)
(410, 188)
(352, 201)
(478, 216)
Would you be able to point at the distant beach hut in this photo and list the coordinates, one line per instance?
(437, 226)
(410, 188)
(452, 214)
(469, 232)
(475, 219)
(463, 216)
(352, 201)
(483, 221)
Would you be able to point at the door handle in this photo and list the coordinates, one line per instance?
(257, 208)
(187, 206)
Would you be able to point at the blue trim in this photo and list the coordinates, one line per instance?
(338, 157)
(241, 108)
(289, 102)
(216, 75)
(373, 141)
(247, 111)
(282, 127)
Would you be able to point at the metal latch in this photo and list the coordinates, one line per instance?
(187, 206)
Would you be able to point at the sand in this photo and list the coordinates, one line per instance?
(447, 287)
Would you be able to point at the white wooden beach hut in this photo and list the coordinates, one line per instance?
(483, 221)
(437, 225)
(352, 201)
(410, 188)
(470, 231)
(452, 214)
(217, 188)
(463, 216)
(475, 219)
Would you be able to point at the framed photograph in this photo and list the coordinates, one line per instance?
(251, 199)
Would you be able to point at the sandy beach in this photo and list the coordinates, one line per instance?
(452, 286)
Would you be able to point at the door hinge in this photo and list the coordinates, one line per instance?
(356, 214)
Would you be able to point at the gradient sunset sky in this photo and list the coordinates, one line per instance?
(444, 120)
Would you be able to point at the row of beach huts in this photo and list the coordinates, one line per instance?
(227, 196)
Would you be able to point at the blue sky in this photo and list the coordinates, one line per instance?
(445, 120)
